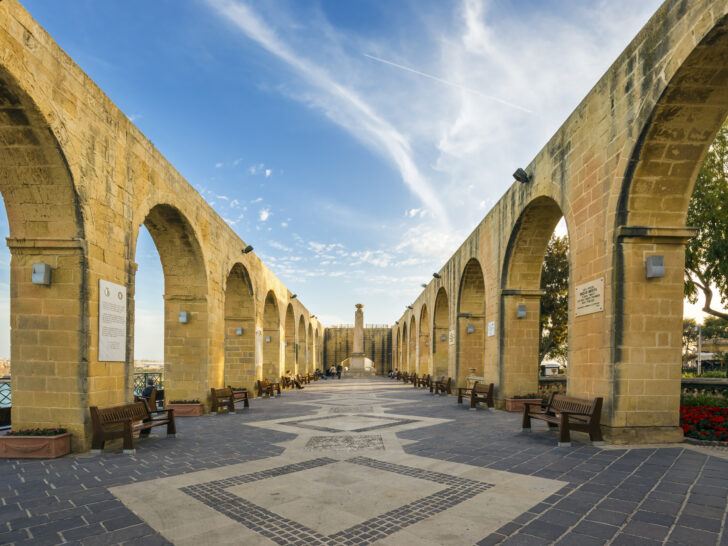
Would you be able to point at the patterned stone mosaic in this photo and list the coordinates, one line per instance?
(348, 443)
(217, 495)
(341, 423)
(351, 409)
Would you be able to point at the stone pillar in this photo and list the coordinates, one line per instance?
(519, 343)
(359, 330)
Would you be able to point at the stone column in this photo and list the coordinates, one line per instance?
(358, 330)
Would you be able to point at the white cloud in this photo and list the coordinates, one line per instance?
(279, 246)
(267, 173)
(234, 203)
(218, 165)
(257, 200)
(264, 214)
(284, 224)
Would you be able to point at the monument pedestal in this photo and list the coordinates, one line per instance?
(359, 366)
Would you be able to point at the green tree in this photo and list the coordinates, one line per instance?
(689, 339)
(553, 325)
(715, 327)
(706, 265)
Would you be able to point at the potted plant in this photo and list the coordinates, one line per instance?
(35, 443)
(516, 403)
(186, 408)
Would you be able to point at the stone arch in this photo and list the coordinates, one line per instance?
(424, 342)
(46, 225)
(185, 290)
(289, 327)
(440, 334)
(521, 280)
(471, 323)
(404, 362)
(677, 129)
(271, 338)
(318, 351)
(412, 345)
(311, 363)
(301, 341)
(239, 329)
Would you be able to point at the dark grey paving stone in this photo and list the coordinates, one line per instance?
(693, 537)
(607, 516)
(597, 530)
(625, 539)
(646, 530)
(576, 539)
(701, 523)
(544, 529)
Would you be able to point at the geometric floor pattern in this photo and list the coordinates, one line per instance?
(367, 462)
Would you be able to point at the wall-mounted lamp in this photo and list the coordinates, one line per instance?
(294, 296)
(248, 249)
(470, 329)
(436, 275)
(184, 317)
(654, 267)
(443, 337)
(522, 176)
(423, 285)
(465, 315)
(409, 307)
(427, 342)
(239, 331)
(267, 339)
(521, 311)
(396, 322)
(285, 344)
(41, 274)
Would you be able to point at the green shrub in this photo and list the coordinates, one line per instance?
(710, 400)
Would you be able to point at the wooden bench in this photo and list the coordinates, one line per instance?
(567, 413)
(240, 394)
(268, 388)
(479, 392)
(413, 379)
(424, 381)
(222, 398)
(443, 384)
(123, 422)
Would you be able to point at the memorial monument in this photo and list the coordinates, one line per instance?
(359, 365)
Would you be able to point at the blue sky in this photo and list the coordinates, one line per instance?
(354, 143)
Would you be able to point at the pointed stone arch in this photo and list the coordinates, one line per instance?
(239, 329)
(271, 338)
(441, 333)
(522, 288)
(289, 328)
(311, 363)
(471, 323)
(425, 363)
(186, 370)
(412, 345)
(301, 341)
(46, 225)
(404, 362)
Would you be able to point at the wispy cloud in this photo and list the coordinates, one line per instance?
(264, 214)
(341, 103)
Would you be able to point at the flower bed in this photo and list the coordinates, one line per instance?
(704, 423)
(39, 443)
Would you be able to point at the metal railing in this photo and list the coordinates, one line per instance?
(140, 381)
(5, 392)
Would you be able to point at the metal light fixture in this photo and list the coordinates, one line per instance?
(239, 331)
(409, 307)
(443, 337)
(436, 275)
(470, 329)
(521, 176)
(248, 249)
(294, 296)
(41, 274)
(184, 317)
(521, 311)
(267, 339)
(423, 285)
(654, 267)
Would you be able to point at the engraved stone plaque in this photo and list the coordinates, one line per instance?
(589, 297)
(112, 322)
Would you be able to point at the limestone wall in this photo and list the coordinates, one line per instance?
(339, 344)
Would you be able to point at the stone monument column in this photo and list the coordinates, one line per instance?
(359, 364)
(358, 330)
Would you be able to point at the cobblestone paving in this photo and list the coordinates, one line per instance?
(654, 495)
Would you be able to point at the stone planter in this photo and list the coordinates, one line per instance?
(35, 447)
(516, 404)
(186, 410)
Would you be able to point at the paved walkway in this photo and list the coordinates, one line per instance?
(367, 462)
